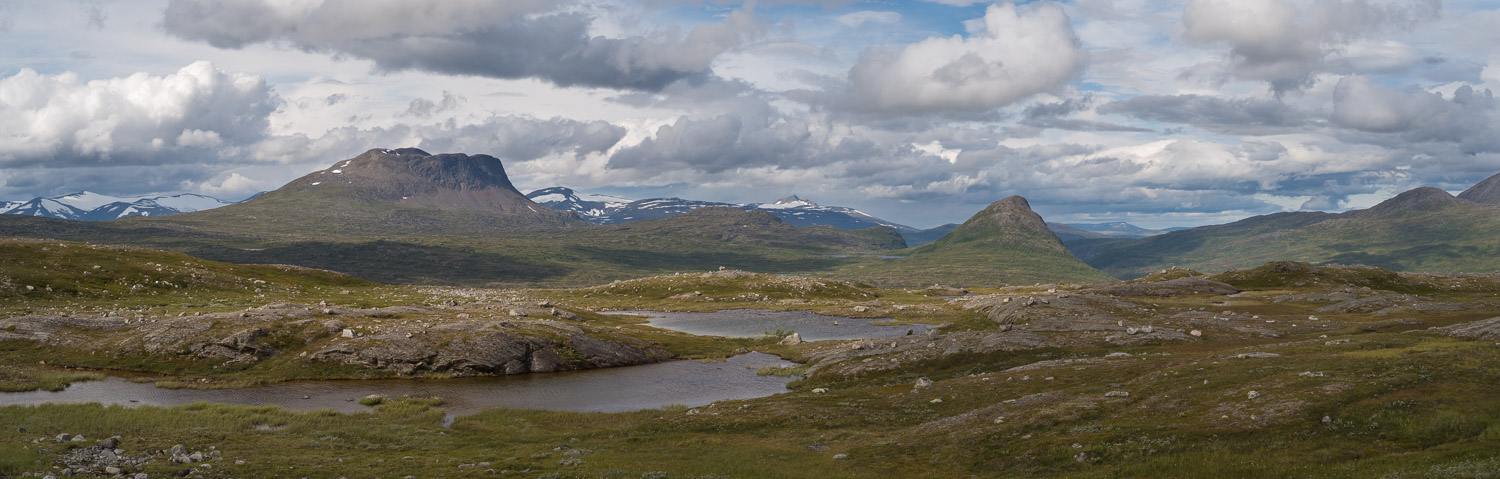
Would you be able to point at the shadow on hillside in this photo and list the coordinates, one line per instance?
(677, 261)
(393, 262)
(1402, 259)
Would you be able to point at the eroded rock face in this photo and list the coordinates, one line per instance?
(404, 340)
(495, 353)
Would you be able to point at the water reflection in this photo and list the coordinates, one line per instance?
(690, 383)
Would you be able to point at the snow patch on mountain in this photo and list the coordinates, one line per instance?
(90, 206)
(608, 209)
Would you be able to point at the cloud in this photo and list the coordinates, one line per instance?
(510, 138)
(1470, 119)
(1286, 43)
(1224, 115)
(855, 19)
(60, 120)
(498, 39)
(424, 108)
(229, 187)
(1043, 116)
(1021, 51)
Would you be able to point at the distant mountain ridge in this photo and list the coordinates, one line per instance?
(612, 210)
(90, 206)
(1423, 229)
(1072, 231)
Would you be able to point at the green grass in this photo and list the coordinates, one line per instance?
(1427, 413)
(1454, 238)
(18, 378)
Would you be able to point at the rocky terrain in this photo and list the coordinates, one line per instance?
(1149, 377)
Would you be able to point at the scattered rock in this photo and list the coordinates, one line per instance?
(922, 382)
(1117, 394)
(791, 340)
(1485, 329)
(1256, 355)
(1252, 394)
(1196, 333)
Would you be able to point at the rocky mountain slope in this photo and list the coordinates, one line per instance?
(1006, 242)
(394, 192)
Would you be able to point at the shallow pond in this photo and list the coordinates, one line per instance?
(690, 383)
(755, 322)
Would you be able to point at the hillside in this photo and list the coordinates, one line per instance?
(1006, 243)
(1486, 192)
(401, 192)
(405, 216)
(1425, 229)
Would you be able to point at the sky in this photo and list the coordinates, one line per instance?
(1159, 113)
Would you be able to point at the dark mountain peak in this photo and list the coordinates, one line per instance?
(1010, 220)
(1486, 192)
(792, 199)
(1014, 211)
(408, 151)
(1424, 198)
(454, 171)
(554, 190)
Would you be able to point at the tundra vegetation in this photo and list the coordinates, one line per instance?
(1285, 369)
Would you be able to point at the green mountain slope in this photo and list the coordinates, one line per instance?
(1425, 229)
(1006, 243)
(404, 216)
(1486, 192)
(403, 192)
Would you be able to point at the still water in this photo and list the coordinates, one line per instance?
(755, 322)
(691, 383)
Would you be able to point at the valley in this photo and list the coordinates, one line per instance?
(426, 319)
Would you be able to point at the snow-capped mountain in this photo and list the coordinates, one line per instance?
(608, 210)
(800, 212)
(585, 205)
(90, 206)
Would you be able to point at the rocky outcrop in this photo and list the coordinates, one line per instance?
(496, 353)
(1171, 287)
(1485, 329)
(405, 340)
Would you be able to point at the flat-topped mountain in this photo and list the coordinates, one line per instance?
(409, 176)
(389, 191)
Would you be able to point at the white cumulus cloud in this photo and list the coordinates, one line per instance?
(61, 120)
(1021, 51)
